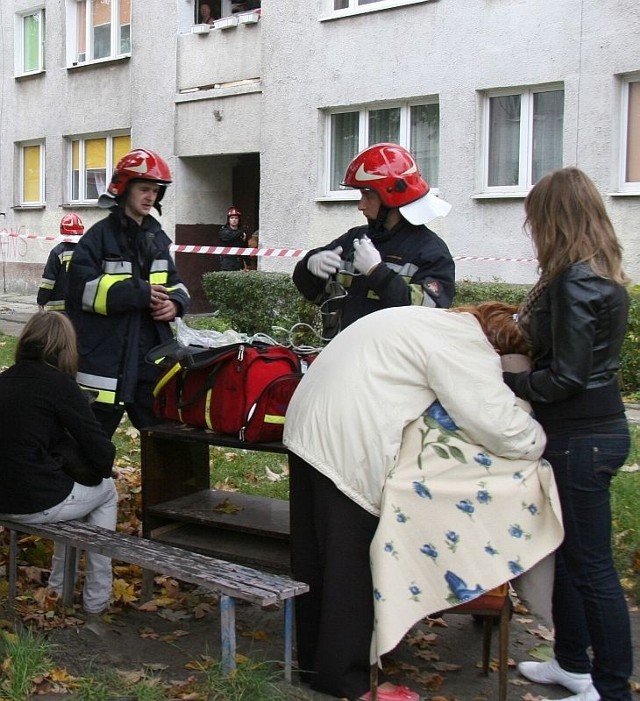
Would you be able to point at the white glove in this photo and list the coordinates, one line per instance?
(325, 263)
(366, 255)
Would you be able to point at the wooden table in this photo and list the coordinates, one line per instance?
(180, 508)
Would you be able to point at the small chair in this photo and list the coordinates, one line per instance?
(492, 605)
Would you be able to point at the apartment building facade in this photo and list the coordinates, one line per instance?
(264, 108)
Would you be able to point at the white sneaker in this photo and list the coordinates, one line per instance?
(588, 694)
(550, 672)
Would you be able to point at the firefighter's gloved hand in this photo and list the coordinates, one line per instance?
(366, 257)
(325, 263)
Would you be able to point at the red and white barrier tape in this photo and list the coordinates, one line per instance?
(260, 252)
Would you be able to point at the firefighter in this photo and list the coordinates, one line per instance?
(394, 260)
(232, 234)
(53, 286)
(123, 291)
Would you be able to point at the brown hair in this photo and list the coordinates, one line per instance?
(569, 224)
(499, 321)
(50, 338)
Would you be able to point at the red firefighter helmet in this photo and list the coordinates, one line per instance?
(139, 164)
(392, 172)
(71, 225)
(234, 212)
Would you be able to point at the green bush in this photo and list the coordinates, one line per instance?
(255, 302)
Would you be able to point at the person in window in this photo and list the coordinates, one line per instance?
(393, 261)
(123, 292)
(575, 318)
(42, 408)
(206, 15)
(53, 286)
(402, 434)
(232, 234)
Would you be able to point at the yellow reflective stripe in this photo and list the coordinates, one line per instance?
(56, 306)
(165, 378)
(207, 408)
(102, 291)
(158, 278)
(47, 284)
(272, 419)
(105, 396)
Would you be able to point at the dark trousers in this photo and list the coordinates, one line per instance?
(330, 537)
(589, 607)
(140, 411)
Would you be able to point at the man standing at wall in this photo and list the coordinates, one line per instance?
(53, 286)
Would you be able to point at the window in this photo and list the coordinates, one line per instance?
(414, 126)
(630, 160)
(97, 29)
(30, 43)
(363, 5)
(523, 138)
(31, 185)
(92, 160)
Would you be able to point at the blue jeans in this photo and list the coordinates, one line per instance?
(589, 608)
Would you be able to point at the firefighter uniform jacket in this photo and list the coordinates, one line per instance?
(53, 286)
(109, 290)
(417, 270)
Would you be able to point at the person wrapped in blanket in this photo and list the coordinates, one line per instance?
(415, 483)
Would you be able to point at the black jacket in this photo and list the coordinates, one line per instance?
(236, 238)
(108, 295)
(418, 269)
(38, 403)
(577, 328)
(53, 286)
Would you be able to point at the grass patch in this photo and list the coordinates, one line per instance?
(250, 681)
(25, 656)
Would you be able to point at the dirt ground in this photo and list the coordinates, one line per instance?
(440, 663)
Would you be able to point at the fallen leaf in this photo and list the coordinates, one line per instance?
(227, 507)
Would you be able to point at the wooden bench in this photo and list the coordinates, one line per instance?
(229, 580)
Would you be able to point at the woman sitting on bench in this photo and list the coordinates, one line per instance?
(49, 441)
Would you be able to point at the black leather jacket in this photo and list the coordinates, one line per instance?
(576, 328)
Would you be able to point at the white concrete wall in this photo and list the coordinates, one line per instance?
(199, 100)
(452, 50)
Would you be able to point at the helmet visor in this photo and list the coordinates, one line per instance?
(425, 209)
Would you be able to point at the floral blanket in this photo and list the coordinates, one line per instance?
(456, 521)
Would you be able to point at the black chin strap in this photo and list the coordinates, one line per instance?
(376, 226)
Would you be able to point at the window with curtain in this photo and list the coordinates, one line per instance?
(31, 174)
(414, 126)
(631, 135)
(92, 163)
(30, 44)
(523, 137)
(98, 29)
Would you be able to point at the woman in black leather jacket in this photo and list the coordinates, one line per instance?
(575, 319)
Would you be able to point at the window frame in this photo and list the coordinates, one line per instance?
(20, 47)
(110, 163)
(22, 202)
(404, 138)
(73, 19)
(525, 153)
(373, 6)
(624, 185)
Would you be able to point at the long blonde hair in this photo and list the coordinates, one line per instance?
(569, 224)
(50, 338)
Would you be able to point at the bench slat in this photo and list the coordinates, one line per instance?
(227, 578)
